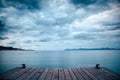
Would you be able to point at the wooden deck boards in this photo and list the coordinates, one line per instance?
(59, 74)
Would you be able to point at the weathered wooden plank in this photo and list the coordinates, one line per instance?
(96, 74)
(101, 73)
(9, 72)
(114, 75)
(86, 77)
(67, 75)
(61, 74)
(18, 73)
(26, 74)
(37, 74)
(72, 74)
(43, 75)
(79, 77)
(55, 75)
(31, 74)
(107, 75)
(89, 74)
(49, 74)
(104, 75)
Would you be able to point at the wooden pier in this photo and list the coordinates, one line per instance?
(59, 74)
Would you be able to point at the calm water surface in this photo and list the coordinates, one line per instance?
(60, 59)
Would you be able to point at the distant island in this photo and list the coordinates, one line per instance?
(9, 48)
(93, 49)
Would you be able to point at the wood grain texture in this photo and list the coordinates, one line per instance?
(59, 74)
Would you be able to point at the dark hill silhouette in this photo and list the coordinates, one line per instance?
(9, 48)
(93, 49)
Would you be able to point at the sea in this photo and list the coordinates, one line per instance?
(60, 59)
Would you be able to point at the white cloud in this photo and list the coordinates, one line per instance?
(59, 21)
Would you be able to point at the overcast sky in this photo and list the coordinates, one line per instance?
(60, 24)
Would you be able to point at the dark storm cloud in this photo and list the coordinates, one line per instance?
(13, 42)
(45, 40)
(112, 26)
(21, 4)
(118, 35)
(83, 2)
(116, 28)
(83, 36)
(101, 4)
(3, 38)
(28, 41)
(2, 27)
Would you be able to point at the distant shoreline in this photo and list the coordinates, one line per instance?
(91, 49)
